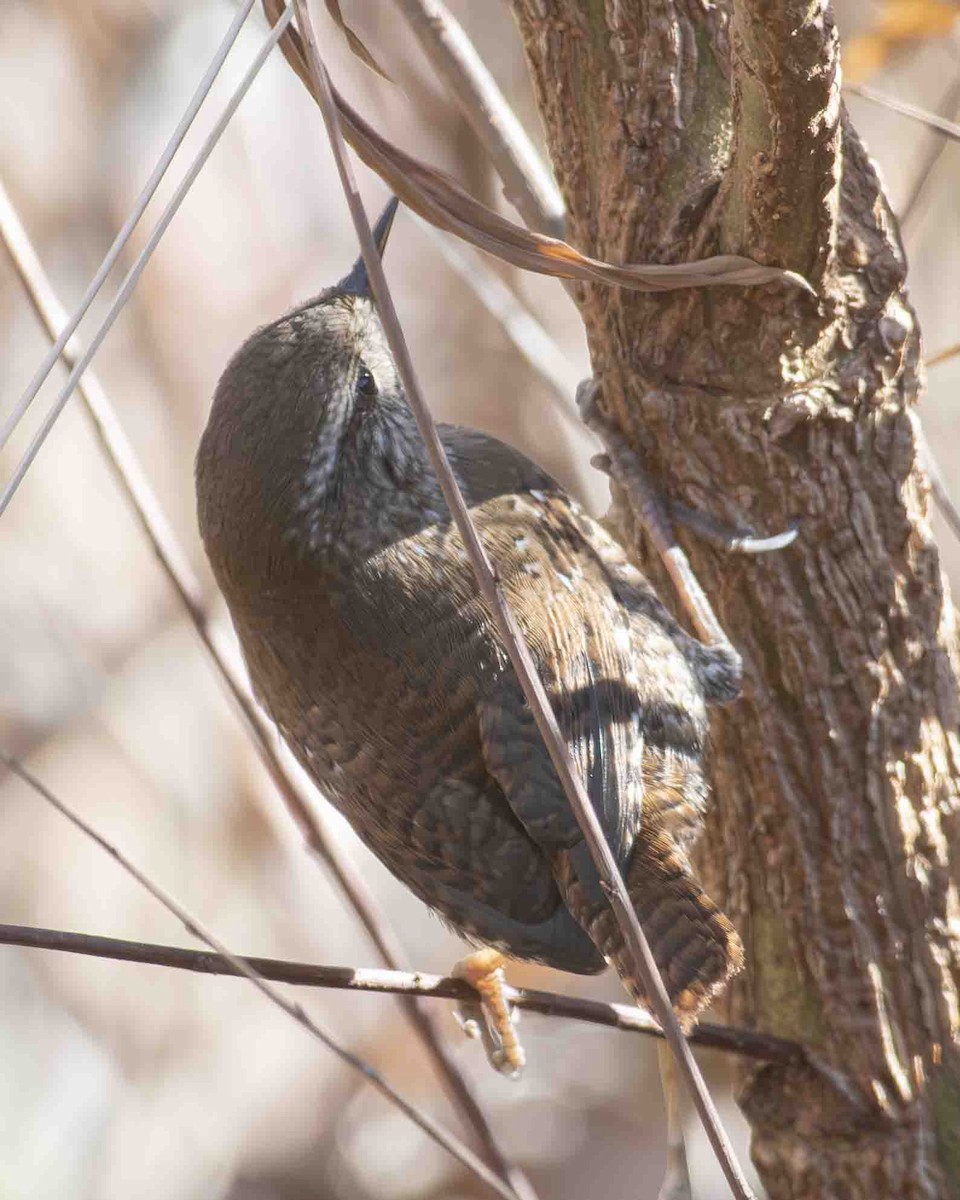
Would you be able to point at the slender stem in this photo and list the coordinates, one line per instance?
(527, 182)
(542, 352)
(129, 225)
(943, 356)
(949, 129)
(533, 689)
(132, 480)
(941, 494)
(430, 1127)
(133, 275)
(627, 1018)
(910, 207)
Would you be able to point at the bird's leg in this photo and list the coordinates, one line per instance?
(490, 1016)
(626, 469)
(621, 462)
(676, 1178)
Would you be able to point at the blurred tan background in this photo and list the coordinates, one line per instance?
(132, 1081)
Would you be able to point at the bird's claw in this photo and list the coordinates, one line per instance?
(469, 1016)
(738, 539)
(490, 1017)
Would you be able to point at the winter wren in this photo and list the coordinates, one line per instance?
(369, 645)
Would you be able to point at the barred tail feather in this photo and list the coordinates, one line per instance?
(694, 944)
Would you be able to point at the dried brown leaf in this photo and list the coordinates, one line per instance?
(353, 41)
(444, 203)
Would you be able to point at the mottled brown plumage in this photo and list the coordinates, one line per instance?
(368, 643)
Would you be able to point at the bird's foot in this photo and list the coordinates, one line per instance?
(490, 1017)
(621, 463)
(620, 460)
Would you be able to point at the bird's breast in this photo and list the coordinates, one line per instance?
(371, 665)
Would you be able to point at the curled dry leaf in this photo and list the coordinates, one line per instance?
(444, 203)
(354, 42)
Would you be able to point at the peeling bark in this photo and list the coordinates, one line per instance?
(679, 129)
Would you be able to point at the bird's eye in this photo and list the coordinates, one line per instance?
(366, 384)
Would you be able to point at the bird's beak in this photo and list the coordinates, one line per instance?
(357, 282)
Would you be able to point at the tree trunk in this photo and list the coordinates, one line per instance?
(680, 129)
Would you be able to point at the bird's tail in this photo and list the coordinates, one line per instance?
(694, 944)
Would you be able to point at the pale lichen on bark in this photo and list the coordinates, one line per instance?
(679, 129)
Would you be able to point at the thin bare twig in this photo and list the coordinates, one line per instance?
(132, 480)
(545, 355)
(947, 106)
(422, 1119)
(156, 175)
(133, 275)
(941, 494)
(949, 129)
(527, 182)
(627, 1018)
(942, 356)
(489, 586)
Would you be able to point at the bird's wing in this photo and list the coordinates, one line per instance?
(631, 711)
(625, 696)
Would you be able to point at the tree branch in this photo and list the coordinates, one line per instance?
(679, 129)
(627, 1018)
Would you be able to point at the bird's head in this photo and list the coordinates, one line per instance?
(308, 404)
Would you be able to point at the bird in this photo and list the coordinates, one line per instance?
(368, 644)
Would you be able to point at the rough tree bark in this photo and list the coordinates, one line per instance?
(677, 129)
